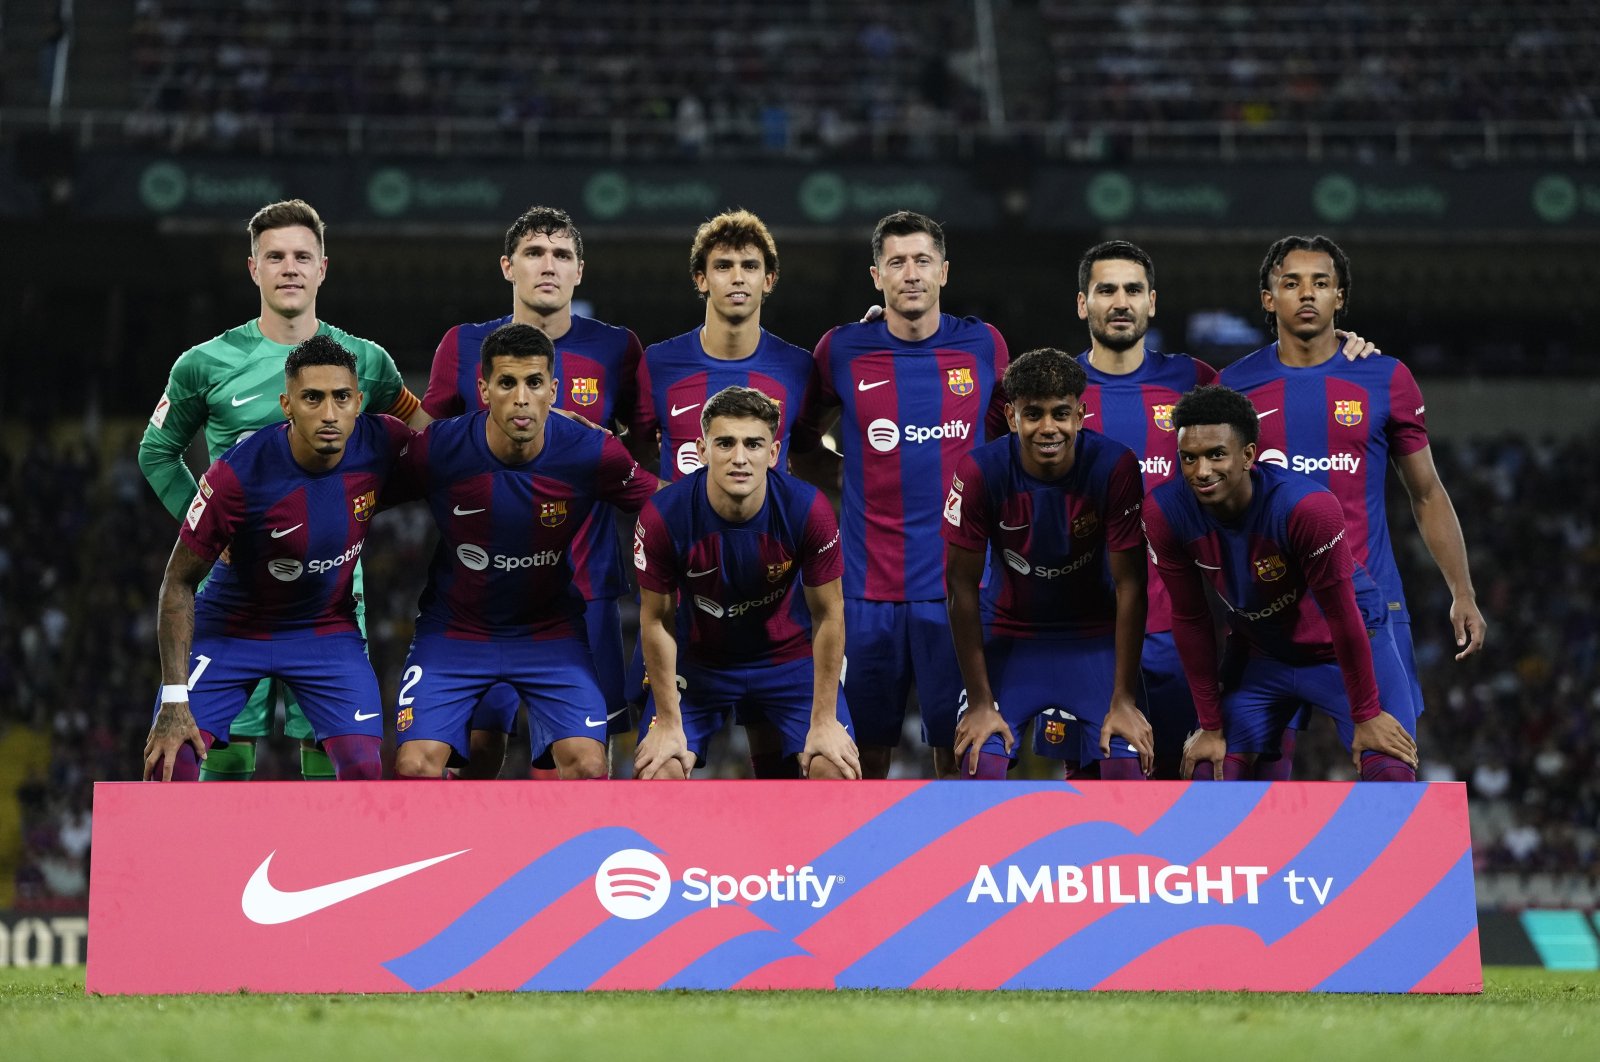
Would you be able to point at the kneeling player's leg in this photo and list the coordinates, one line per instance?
(333, 681)
(443, 680)
(938, 678)
(222, 673)
(602, 620)
(494, 717)
(236, 760)
(1394, 698)
(566, 710)
(1088, 666)
(1018, 696)
(705, 702)
(1171, 703)
(782, 696)
(1254, 712)
(877, 678)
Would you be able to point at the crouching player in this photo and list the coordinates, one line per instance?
(509, 487)
(1309, 622)
(720, 555)
(289, 508)
(1057, 509)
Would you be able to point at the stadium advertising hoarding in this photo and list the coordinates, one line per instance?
(1513, 199)
(401, 887)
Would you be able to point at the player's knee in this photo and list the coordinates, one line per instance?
(580, 758)
(413, 760)
(945, 765)
(875, 760)
(824, 769)
(671, 771)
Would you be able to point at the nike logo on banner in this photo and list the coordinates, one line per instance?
(696, 575)
(247, 398)
(1268, 413)
(1007, 527)
(678, 411)
(862, 385)
(287, 531)
(459, 511)
(362, 717)
(266, 905)
(1208, 567)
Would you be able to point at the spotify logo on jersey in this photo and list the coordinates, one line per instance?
(474, 557)
(883, 434)
(688, 458)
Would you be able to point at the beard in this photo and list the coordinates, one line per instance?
(1119, 341)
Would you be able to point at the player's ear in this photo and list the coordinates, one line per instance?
(944, 272)
(505, 269)
(1249, 454)
(700, 448)
(877, 281)
(283, 404)
(483, 390)
(1011, 414)
(1083, 306)
(1152, 302)
(777, 446)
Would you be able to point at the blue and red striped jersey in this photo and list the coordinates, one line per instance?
(1135, 409)
(1048, 540)
(503, 565)
(293, 537)
(909, 413)
(597, 367)
(738, 585)
(1340, 423)
(676, 377)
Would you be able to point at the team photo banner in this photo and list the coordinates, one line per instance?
(549, 886)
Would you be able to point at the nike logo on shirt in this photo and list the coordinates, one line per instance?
(696, 575)
(459, 511)
(678, 411)
(1007, 527)
(862, 385)
(266, 905)
(1208, 567)
(237, 401)
(1268, 413)
(286, 531)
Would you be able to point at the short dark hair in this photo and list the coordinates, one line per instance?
(733, 229)
(515, 341)
(547, 221)
(318, 350)
(1215, 404)
(1282, 249)
(905, 223)
(741, 402)
(285, 214)
(1044, 373)
(1114, 251)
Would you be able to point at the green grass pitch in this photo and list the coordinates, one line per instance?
(1528, 1014)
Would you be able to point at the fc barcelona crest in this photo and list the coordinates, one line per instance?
(1270, 569)
(585, 390)
(1347, 411)
(778, 570)
(363, 504)
(1162, 415)
(1055, 731)
(552, 513)
(403, 720)
(959, 381)
(1085, 525)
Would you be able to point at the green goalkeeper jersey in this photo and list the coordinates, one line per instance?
(230, 386)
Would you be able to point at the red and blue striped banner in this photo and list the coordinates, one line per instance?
(400, 887)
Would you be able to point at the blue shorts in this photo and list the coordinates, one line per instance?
(1403, 645)
(1071, 677)
(780, 693)
(446, 677)
(329, 675)
(1270, 692)
(1169, 701)
(603, 628)
(888, 646)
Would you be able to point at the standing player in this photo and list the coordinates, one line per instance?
(915, 389)
(598, 365)
(1309, 621)
(720, 555)
(733, 263)
(1343, 422)
(1056, 511)
(509, 487)
(290, 507)
(224, 386)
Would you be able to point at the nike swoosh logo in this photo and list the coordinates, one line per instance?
(287, 531)
(1268, 413)
(266, 905)
(678, 411)
(862, 385)
(616, 713)
(362, 717)
(696, 575)
(1208, 567)
(594, 722)
(1086, 416)
(247, 398)
(1007, 527)
(459, 511)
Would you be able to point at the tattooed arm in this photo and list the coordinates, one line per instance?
(174, 724)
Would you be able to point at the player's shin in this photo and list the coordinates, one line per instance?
(1282, 768)
(1123, 769)
(992, 766)
(316, 765)
(1377, 767)
(1235, 768)
(233, 762)
(355, 757)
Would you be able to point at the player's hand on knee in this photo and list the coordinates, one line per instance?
(1205, 746)
(1126, 721)
(1355, 347)
(661, 746)
(174, 727)
(830, 741)
(1384, 734)
(974, 729)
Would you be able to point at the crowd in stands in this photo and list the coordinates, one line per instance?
(83, 543)
(830, 77)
